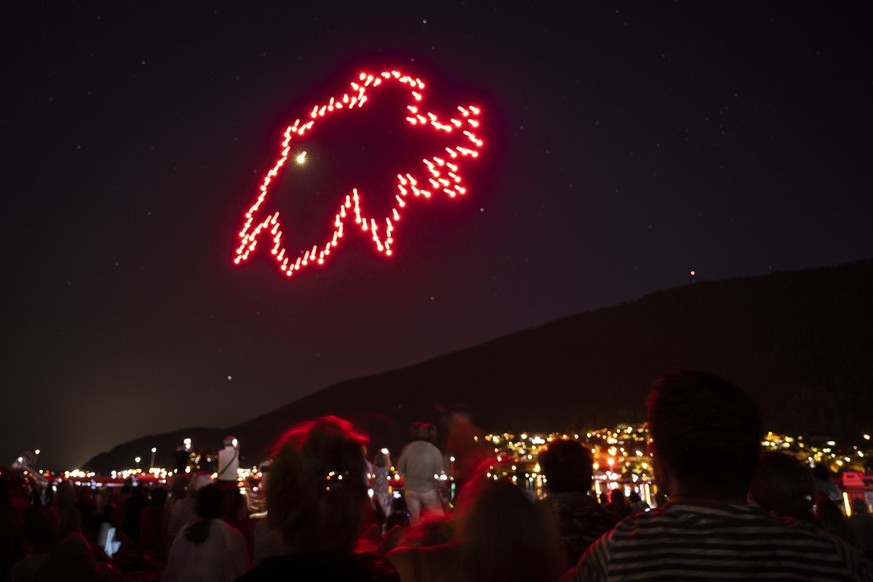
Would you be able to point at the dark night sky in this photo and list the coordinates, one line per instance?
(626, 144)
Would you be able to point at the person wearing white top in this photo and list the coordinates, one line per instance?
(208, 549)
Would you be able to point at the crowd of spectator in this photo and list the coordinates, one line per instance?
(726, 510)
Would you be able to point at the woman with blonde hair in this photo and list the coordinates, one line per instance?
(501, 535)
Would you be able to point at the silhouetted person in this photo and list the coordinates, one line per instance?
(505, 536)
(207, 549)
(178, 491)
(861, 526)
(58, 555)
(465, 443)
(228, 460)
(43, 536)
(636, 502)
(618, 504)
(13, 526)
(65, 501)
(184, 509)
(181, 457)
(828, 499)
(151, 525)
(430, 530)
(706, 436)
(236, 514)
(568, 468)
(266, 541)
(824, 482)
(501, 535)
(421, 466)
(132, 513)
(783, 484)
(381, 474)
(318, 506)
(831, 517)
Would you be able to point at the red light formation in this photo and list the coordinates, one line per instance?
(440, 174)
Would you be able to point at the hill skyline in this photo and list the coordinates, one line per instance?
(798, 341)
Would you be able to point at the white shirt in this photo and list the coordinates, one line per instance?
(222, 557)
(421, 464)
(228, 463)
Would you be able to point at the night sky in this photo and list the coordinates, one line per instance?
(626, 144)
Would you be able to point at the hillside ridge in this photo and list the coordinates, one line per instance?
(799, 341)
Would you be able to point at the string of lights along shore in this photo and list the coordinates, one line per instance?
(443, 173)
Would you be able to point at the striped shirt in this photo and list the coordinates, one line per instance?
(684, 541)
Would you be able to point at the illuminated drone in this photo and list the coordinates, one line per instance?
(440, 174)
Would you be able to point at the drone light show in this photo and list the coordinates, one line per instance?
(437, 175)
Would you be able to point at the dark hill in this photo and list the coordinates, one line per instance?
(801, 342)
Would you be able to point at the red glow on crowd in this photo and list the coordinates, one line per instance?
(442, 175)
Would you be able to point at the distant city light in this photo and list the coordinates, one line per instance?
(619, 460)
